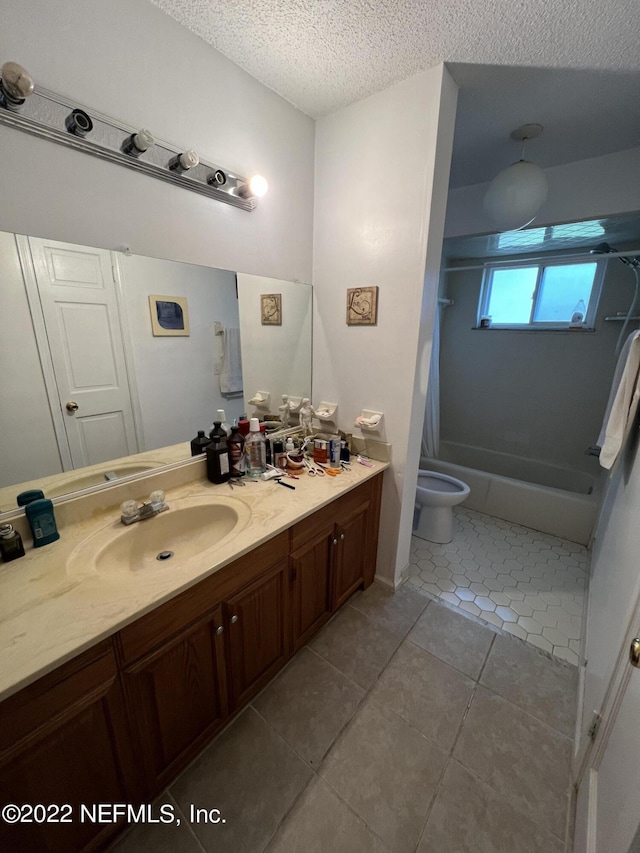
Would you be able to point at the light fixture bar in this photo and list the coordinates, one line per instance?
(49, 116)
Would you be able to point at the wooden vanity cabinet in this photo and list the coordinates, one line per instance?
(117, 723)
(65, 740)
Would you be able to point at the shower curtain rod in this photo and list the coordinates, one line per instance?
(625, 254)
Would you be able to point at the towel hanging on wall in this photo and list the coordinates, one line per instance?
(231, 369)
(623, 401)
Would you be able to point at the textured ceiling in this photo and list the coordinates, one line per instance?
(578, 64)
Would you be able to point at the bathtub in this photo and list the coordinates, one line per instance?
(535, 494)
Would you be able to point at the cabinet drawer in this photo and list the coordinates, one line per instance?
(172, 617)
(38, 706)
(315, 524)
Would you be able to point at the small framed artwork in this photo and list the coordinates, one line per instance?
(271, 309)
(362, 306)
(169, 316)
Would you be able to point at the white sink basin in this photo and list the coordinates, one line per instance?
(188, 528)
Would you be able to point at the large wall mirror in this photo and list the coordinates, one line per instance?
(112, 362)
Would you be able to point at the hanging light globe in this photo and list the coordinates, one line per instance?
(516, 194)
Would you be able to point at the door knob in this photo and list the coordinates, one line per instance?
(72, 406)
(634, 652)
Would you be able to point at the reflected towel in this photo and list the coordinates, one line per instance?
(623, 401)
(231, 369)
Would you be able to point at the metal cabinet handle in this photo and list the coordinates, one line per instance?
(634, 652)
(220, 630)
(72, 406)
(335, 541)
(233, 619)
(342, 535)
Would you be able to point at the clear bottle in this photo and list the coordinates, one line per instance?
(220, 416)
(255, 453)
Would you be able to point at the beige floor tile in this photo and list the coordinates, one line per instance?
(249, 774)
(309, 704)
(358, 646)
(397, 610)
(469, 817)
(427, 693)
(321, 823)
(453, 638)
(522, 759)
(159, 837)
(387, 772)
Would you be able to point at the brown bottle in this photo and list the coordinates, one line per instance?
(235, 443)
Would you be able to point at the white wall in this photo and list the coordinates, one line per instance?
(275, 358)
(127, 59)
(377, 209)
(600, 186)
(178, 390)
(29, 448)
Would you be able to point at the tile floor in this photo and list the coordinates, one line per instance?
(404, 727)
(526, 582)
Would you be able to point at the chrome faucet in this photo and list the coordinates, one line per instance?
(132, 511)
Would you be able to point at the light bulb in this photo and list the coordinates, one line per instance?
(16, 84)
(185, 161)
(17, 81)
(255, 187)
(516, 195)
(138, 143)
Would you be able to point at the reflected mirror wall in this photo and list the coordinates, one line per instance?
(76, 330)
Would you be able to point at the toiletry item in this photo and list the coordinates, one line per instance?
(243, 426)
(220, 416)
(485, 321)
(267, 444)
(217, 430)
(42, 522)
(577, 315)
(345, 452)
(320, 451)
(199, 443)
(235, 444)
(255, 454)
(279, 454)
(271, 474)
(286, 485)
(27, 497)
(334, 452)
(217, 460)
(11, 546)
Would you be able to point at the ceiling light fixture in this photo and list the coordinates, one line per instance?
(516, 194)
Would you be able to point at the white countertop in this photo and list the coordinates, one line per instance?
(49, 613)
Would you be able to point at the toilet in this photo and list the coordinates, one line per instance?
(436, 495)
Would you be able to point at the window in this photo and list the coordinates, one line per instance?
(541, 296)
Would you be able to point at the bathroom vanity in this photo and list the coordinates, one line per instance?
(157, 672)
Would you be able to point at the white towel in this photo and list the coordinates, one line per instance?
(623, 402)
(231, 369)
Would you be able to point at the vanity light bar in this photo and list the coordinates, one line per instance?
(50, 116)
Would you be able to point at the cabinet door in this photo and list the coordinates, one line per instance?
(257, 624)
(178, 698)
(310, 570)
(352, 534)
(65, 741)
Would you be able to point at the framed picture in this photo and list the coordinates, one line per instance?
(362, 306)
(169, 316)
(271, 309)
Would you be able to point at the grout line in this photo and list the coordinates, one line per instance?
(184, 820)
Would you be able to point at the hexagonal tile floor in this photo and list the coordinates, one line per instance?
(527, 583)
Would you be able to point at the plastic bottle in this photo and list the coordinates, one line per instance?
(217, 430)
(235, 443)
(11, 546)
(220, 416)
(42, 522)
(199, 443)
(217, 460)
(578, 315)
(255, 451)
